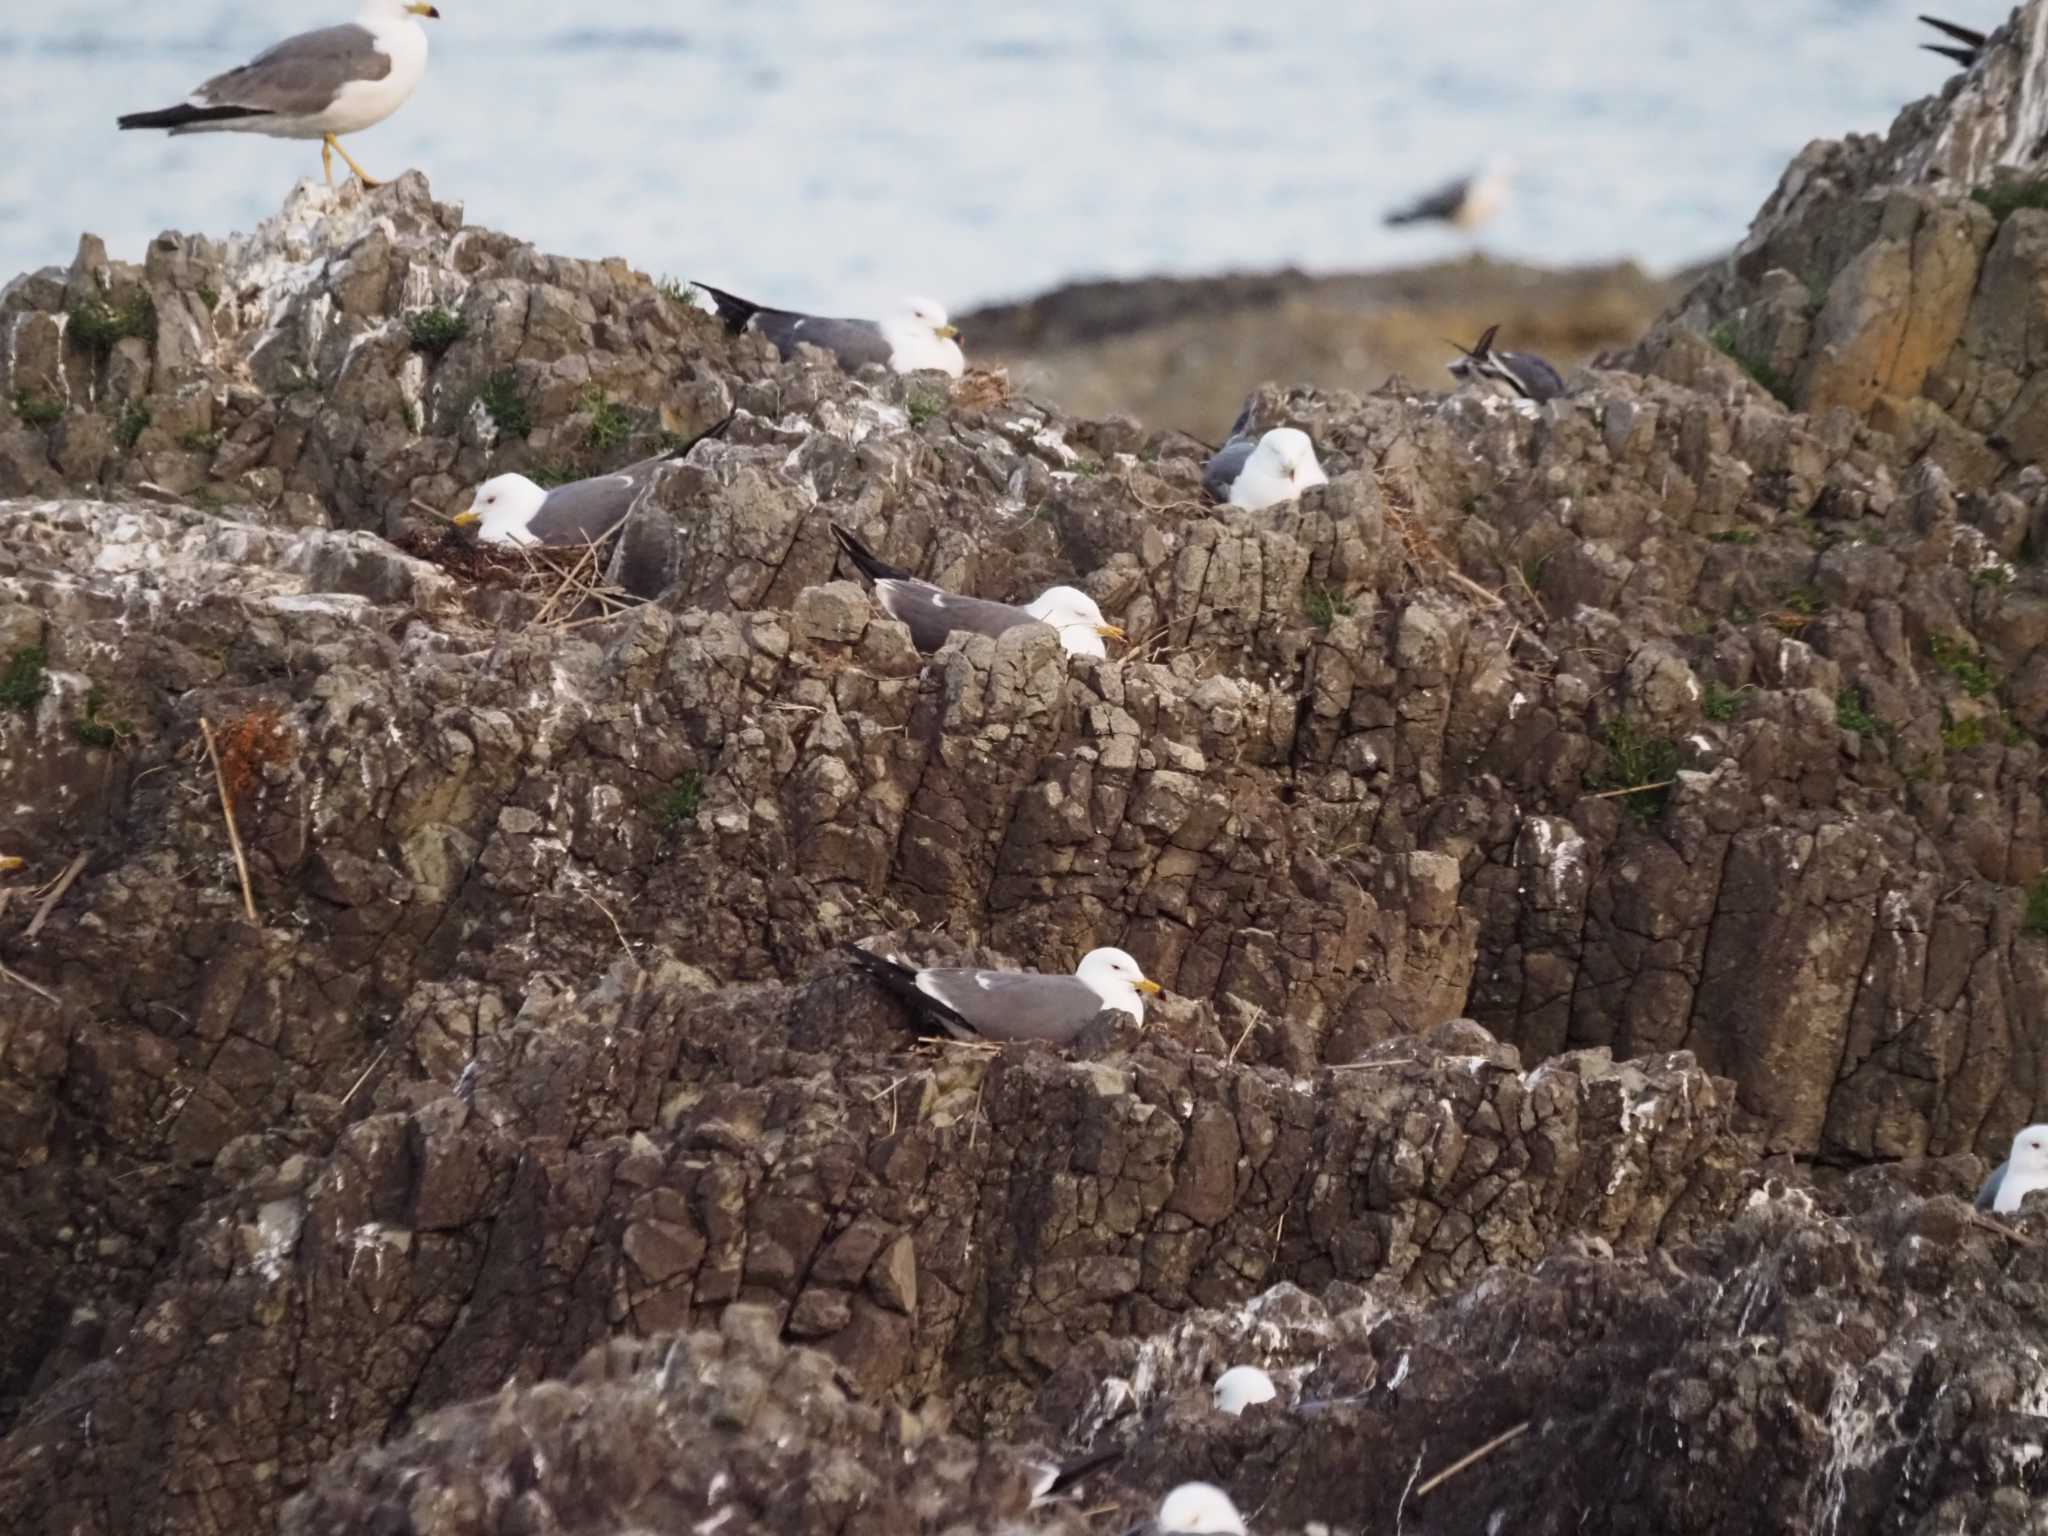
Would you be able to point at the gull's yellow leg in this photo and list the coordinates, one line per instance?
(327, 158)
(362, 175)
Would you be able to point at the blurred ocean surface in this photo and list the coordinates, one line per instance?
(833, 154)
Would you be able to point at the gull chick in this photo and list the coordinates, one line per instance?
(932, 613)
(916, 337)
(317, 85)
(971, 1004)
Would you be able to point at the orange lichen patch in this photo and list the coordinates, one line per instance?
(258, 740)
(982, 389)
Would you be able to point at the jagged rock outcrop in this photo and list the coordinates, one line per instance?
(1553, 816)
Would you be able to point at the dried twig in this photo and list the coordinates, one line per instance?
(1470, 1457)
(1633, 789)
(1258, 1017)
(1491, 599)
(22, 981)
(607, 911)
(71, 872)
(227, 810)
(375, 1062)
(433, 512)
(1980, 1219)
(974, 1123)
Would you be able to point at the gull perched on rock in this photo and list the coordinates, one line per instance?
(916, 337)
(511, 509)
(1520, 373)
(317, 85)
(932, 613)
(1241, 1386)
(1968, 41)
(1465, 203)
(972, 1004)
(1262, 472)
(2023, 1172)
(1194, 1509)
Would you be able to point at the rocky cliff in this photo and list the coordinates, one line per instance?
(431, 1097)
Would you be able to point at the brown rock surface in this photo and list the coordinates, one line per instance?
(1557, 813)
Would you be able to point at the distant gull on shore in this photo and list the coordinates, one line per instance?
(915, 338)
(1969, 43)
(2024, 1171)
(1521, 373)
(1241, 1386)
(510, 509)
(1465, 203)
(1256, 473)
(972, 1004)
(1194, 1509)
(932, 613)
(316, 85)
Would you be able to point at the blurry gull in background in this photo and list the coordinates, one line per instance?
(1466, 203)
(915, 338)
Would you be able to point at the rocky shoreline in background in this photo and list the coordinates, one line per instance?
(1561, 835)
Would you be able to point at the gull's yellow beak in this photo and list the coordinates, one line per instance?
(1148, 987)
(424, 10)
(464, 519)
(1109, 632)
(948, 332)
(9, 863)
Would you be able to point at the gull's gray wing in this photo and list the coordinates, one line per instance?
(1987, 1197)
(1226, 466)
(1014, 1005)
(1441, 203)
(1529, 375)
(856, 343)
(301, 76)
(584, 510)
(934, 613)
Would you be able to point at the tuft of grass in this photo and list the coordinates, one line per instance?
(133, 423)
(507, 403)
(2009, 194)
(553, 473)
(2036, 920)
(1964, 663)
(37, 410)
(1733, 536)
(411, 413)
(1994, 575)
(1853, 714)
(1088, 469)
(209, 296)
(1325, 607)
(1774, 383)
(434, 331)
(1805, 602)
(1962, 735)
(610, 423)
(674, 289)
(201, 442)
(1636, 759)
(95, 730)
(1719, 703)
(924, 404)
(678, 808)
(25, 680)
(99, 326)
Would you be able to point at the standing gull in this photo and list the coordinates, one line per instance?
(932, 613)
(1521, 373)
(916, 337)
(1465, 203)
(1968, 41)
(316, 85)
(2025, 1171)
(971, 1004)
(1262, 472)
(511, 509)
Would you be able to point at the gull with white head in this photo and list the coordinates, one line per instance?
(917, 335)
(317, 85)
(1240, 1387)
(971, 1004)
(2024, 1171)
(932, 613)
(1261, 472)
(1197, 1509)
(1465, 203)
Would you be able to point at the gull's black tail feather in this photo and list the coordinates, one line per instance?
(1963, 56)
(717, 429)
(732, 309)
(1485, 344)
(931, 1016)
(185, 115)
(865, 560)
(1969, 35)
(1073, 1472)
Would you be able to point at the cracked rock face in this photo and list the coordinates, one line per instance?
(1558, 813)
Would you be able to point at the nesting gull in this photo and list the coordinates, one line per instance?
(932, 613)
(1241, 1386)
(511, 509)
(972, 1004)
(1520, 373)
(1465, 203)
(915, 338)
(1968, 41)
(2025, 1171)
(1194, 1509)
(316, 85)
(1255, 473)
